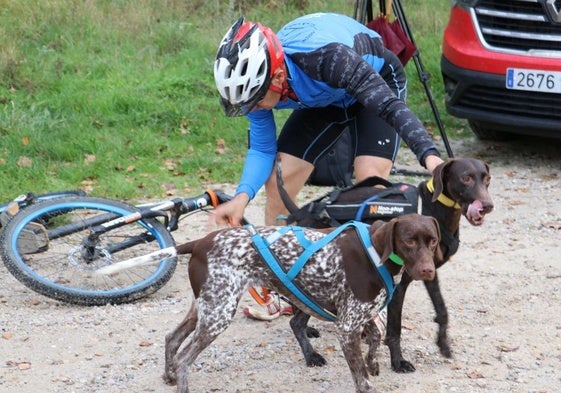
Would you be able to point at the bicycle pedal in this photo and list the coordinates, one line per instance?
(33, 239)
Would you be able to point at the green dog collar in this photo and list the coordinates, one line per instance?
(396, 259)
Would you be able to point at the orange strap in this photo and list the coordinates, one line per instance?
(259, 298)
(213, 198)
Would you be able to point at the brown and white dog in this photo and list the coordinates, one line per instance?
(340, 277)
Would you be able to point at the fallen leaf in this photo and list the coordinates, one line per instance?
(24, 365)
(25, 140)
(6, 336)
(552, 224)
(170, 165)
(131, 168)
(329, 349)
(89, 158)
(220, 146)
(87, 185)
(24, 162)
(507, 348)
(551, 176)
(475, 375)
(184, 129)
(145, 344)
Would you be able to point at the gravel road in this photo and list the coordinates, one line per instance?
(502, 289)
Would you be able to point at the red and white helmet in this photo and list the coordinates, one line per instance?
(247, 57)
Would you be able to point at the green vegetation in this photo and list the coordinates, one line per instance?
(117, 96)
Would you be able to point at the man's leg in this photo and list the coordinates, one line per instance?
(367, 166)
(295, 173)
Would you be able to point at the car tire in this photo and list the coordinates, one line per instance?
(488, 131)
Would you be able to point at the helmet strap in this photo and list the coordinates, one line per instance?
(285, 91)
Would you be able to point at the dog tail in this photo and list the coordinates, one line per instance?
(186, 248)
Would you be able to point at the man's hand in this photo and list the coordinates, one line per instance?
(432, 162)
(229, 213)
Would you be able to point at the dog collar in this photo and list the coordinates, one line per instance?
(442, 198)
(396, 259)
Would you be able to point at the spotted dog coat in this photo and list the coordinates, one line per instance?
(339, 276)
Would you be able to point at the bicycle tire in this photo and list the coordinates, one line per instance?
(55, 266)
(42, 197)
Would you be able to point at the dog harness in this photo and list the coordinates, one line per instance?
(263, 244)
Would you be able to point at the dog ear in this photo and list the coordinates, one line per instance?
(487, 167)
(375, 226)
(438, 178)
(383, 239)
(438, 256)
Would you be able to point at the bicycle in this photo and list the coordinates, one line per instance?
(55, 246)
(7, 210)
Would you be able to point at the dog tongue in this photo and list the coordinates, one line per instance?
(474, 211)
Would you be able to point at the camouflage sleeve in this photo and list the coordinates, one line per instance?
(343, 67)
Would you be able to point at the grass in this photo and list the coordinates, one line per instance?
(117, 97)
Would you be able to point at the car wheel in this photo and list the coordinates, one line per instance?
(488, 131)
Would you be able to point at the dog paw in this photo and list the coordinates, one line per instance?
(445, 350)
(170, 379)
(403, 366)
(312, 332)
(315, 360)
(373, 368)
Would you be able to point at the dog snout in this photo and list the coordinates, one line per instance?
(424, 271)
(487, 206)
(427, 272)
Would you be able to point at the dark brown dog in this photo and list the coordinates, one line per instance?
(459, 187)
(339, 276)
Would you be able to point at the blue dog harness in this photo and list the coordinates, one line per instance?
(263, 244)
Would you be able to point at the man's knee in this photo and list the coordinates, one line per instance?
(367, 166)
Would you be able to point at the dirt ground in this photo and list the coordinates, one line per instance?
(502, 289)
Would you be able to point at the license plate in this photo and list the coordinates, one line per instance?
(533, 80)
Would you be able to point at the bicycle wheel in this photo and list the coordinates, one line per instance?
(44, 246)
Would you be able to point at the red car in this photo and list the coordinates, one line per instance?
(501, 64)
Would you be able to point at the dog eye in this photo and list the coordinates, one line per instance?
(433, 243)
(466, 179)
(410, 242)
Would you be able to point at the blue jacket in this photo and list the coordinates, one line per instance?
(331, 59)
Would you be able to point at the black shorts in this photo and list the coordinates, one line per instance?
(311, 132)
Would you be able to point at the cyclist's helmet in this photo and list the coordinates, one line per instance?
(248, 55)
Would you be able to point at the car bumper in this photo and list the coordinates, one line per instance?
(483, 97)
